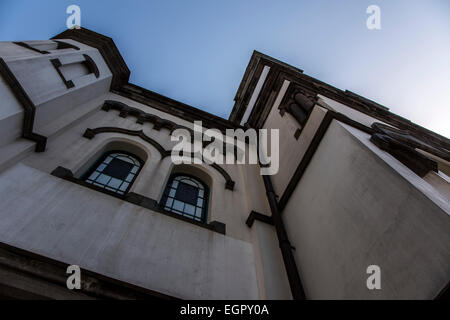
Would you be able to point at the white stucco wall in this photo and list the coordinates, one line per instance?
(66, 147)
(291, 149)
(44, 86)
(356, 206)
(76, 225)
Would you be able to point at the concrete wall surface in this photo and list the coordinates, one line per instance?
(67, 222)
(357, 206)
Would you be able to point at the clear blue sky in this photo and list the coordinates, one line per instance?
(196, 51)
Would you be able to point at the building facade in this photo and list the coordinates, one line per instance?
(86, 179)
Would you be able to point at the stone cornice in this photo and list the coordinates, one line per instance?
(311, 87)
(107, 49)
(91, 133)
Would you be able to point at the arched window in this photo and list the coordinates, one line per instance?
(187, 196)
(114, 171)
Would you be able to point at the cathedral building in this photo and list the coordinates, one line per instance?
(358, 209)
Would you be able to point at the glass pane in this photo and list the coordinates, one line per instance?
(187, 193)
(114, 183)
(189, 209)
(108, 159)
(126, 159)
(169, 202)
(190, 182)
(93, 175)
(118, 168)
(103, 179)
(185, 196)
(178, 205)
(114, 172)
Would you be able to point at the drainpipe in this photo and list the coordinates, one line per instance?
(286, 249)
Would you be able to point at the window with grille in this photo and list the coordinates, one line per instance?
(187, 196)
(115, 171)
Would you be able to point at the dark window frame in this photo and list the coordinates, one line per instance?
(168, 187)
(93, 168)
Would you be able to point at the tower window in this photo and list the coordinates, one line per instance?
(187, 196)
(115, 171)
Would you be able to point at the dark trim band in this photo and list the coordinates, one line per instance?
(91, 133)
(57, 64)
(89, 63)
(305, 161)
(258, 216)
(27, 46)
(28, 106)
(290, 265)
(60, 45)
(92, 66)
(158, 122)
(138, 200)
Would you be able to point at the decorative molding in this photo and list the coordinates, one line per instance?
(312, 87)
(107, 49)
(142, 116)
(60, 45)
(28, 106)
(252, 73)
(173, 107)
(299, 106)
(229, 183)
(402, 146)
(158, 122)
(57, 64)
(278, 73)
(91, 133)
(243, 97)
(138, 200)
(121, 86)
(407, 138)
(90, 64)
(27, 46)
(65, 45)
